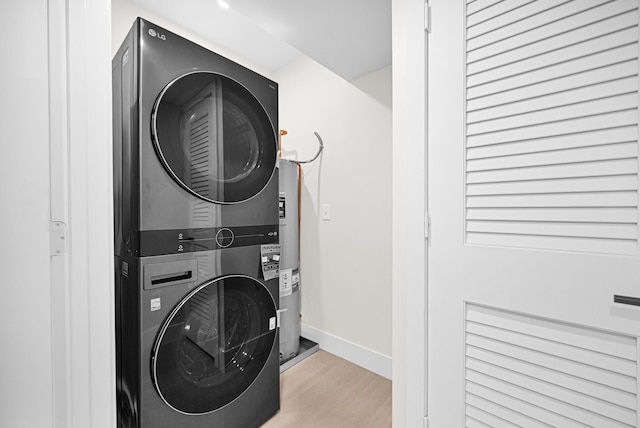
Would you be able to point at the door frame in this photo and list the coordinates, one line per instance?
(410, 249)
(81, 190)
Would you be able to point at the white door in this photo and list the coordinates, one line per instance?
(533, 198)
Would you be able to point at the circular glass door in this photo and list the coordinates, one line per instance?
(214, 344)
(214, 137)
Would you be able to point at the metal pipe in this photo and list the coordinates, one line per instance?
(317, 154)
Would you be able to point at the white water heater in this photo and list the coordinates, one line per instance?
(289, 261)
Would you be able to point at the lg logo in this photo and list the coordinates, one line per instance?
(154, 33)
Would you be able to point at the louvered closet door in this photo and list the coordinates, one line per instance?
(533, 198)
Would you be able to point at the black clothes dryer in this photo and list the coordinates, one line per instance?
(196, 196)
(195, 148)
(197, 341)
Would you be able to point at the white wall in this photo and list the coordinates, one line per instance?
(378, 85)
(345, 262)
(26, 333)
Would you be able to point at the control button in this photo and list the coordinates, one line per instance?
(224, 237)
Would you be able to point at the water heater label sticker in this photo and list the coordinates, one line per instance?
(270, 257)
(155, 304)
(282, 206)
(286, 282)
(295, 280)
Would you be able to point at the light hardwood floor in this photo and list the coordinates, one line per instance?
(324, 390)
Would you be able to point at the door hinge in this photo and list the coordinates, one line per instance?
(427, 225)
(57, 238)
(427, 17)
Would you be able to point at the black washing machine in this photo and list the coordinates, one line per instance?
(197, 341)
(196, 204)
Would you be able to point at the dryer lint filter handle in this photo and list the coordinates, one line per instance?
(270, 261)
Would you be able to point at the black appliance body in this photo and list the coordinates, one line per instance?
(195, 148)
(196, 195)
(197, 341)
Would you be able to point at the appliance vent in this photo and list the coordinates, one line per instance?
(551, 125)
(203, 306)
(204, 268)
(199, 163)
(199, 154)
(528, 371)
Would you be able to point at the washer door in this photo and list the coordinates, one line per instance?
(214, 137)
(214, 344)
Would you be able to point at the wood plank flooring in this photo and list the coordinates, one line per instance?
(324, 390)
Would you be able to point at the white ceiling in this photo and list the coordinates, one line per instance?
(349, 37)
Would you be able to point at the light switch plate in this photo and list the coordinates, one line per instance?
(326, 212)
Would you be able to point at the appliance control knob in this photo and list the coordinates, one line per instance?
(224, 237)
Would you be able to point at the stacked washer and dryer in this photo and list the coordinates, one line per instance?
(196, 245)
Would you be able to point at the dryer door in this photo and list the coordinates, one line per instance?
(214, 344)
(214, 137)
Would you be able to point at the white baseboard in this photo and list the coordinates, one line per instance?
(363, 357)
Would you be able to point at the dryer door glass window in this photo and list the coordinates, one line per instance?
(214, 137)
(214, 344)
